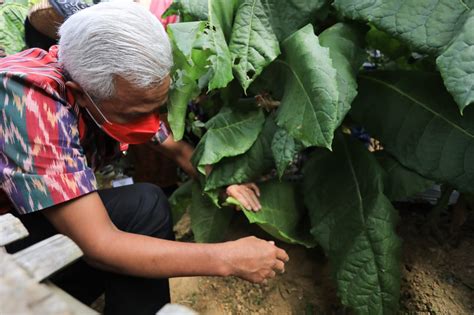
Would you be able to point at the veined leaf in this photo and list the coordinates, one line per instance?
(248, 166)
(456, 65)
(208, 222)
(222, 13)
(12, 30)
(229, 133)
(186, 71)
(282, 216)
(345, 44)
(355, 224)
(412, 115)
(308, 110)
(180, 200)
(253, 44)
(220, 58)
(183, 36)
(440, 27)
(286, 17)
(284, 149)
(189, 10)
(400, 182)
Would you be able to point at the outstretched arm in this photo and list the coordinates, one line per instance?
(86, 221)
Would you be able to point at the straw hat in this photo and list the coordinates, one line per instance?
(45, 19)
(47, 15)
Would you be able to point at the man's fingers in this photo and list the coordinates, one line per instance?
(279, 266)
(282, 255)
(255, 203)
(242, 199)
(249, 198)
(254, 188)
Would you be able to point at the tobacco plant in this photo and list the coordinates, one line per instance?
(281, 83)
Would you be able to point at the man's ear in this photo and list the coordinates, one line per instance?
(78, 93)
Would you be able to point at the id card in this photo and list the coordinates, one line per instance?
(122, 182)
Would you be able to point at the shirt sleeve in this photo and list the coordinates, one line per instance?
(42, 163)
(162, 134)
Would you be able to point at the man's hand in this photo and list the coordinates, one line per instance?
(246, 194)
(254, 259)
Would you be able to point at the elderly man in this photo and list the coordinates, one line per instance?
(68, 108)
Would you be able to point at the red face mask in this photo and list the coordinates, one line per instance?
(136, 132)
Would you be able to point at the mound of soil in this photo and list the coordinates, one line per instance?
(437, 278)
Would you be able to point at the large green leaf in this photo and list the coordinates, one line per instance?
(282, 215)
(456, 65)
(208, 222)
(12, 30)
(229, 133)
(355, 224)
(440, 27)
(248, 166)
(186, 71)
(413, 116)
(400, 182)
(308, 110)
(220, 59)
(189, 10)
(253, 44)
(345, 44)
(222, 13)
(289, 16)
(284, 149)
(180, 200)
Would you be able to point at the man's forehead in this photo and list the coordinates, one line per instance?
(153, 94)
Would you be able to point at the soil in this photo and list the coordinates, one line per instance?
(437, 277)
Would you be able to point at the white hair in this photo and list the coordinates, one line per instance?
(114, 39)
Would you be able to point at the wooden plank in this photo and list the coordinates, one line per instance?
(20, 294)
(48, 256)
(11, 229)
(176, 309)
(74, 305)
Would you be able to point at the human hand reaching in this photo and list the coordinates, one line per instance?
(254, 259)
(246, 194)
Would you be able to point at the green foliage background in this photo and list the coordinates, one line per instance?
(284, 77)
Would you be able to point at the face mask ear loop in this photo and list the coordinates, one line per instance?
(96, 107)
(92, 117)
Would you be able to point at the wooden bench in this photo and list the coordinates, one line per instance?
(24, 288)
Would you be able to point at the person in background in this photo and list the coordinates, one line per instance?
(64, 112)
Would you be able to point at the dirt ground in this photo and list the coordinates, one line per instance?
(437, 277)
